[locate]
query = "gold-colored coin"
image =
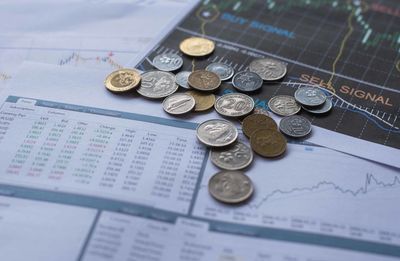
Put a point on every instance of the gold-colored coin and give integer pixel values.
(202, 80)
(122, 80)
(268, 143)
(204, 101)
(197, 46)
(255, 122)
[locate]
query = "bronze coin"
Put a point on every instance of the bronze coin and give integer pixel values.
(204, 101)
(255, 122)
(202, 80)
(268, 143)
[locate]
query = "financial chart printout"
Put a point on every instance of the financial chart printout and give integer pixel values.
(85, 34)
(351, 49)
(62, 147)
(102, 154)
(316, 191)
(136, 238)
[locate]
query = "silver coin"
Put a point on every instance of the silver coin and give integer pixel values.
(234, 105)
(295, 126)
(238, 156)
(217, 133)
(324, 108)
(182, 79)
(246, 81)
(157, 84)
(268, 69)
(230, 187)
(284, 105)
(310, 96)
(224, 71)
(178, 103)
(167, 62)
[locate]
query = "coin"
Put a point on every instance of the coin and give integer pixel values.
(224, 71)
(310, 96)
(255, 122)
(246, 81)
(268, 143)
(197, 46)
(217, 133)
(182, 79)
(204, 80)
(167, 62)
(295, 126)
(230, 187)
(178, 103)
(283, 105)
(268, 69)
(234, 105)
(157, 84)
(204, 101)
(235, 157)
(324, 108)
(122, 80)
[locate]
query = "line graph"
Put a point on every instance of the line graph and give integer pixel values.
(370, 181)
(341, 46)
(77, 58)
(314, 190)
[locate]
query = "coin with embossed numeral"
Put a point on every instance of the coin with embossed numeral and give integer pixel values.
(295, 126)
(167, 62)
(178, 103)
(204, 80)
(283, 105)
(157, 84)
(217, 133)
(234, 105)
(268, 69)
(310, 96)
(235, 157)
(230, 187)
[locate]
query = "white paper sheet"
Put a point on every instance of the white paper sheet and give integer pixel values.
(140, 239)
(313, 196)
(33, 230)
(88, 34)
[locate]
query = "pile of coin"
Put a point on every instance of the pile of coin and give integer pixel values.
(266, 139)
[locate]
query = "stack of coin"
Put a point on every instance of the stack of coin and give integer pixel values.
(265, 139)
(313, 100)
